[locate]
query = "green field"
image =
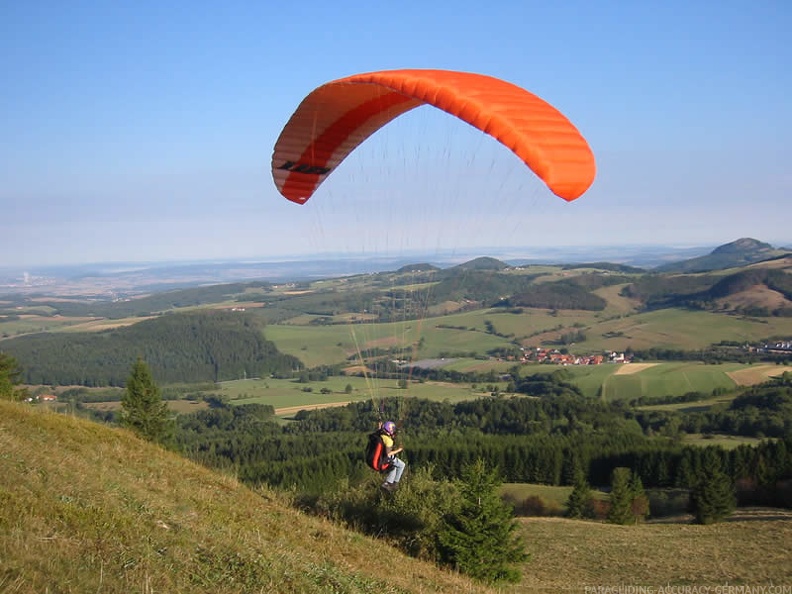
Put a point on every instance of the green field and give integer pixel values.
(679, 329)
(670, 379)
(728, 442)
(553, 497)
(661, 379)
(467, 332)
(32, 323)
(289, 393)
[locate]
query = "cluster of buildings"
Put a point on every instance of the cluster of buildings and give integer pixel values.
(778, 346)
(556, 357)
(42, 398)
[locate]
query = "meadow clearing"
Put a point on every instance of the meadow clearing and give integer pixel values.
(617, 381)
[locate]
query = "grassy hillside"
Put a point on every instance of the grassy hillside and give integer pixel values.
(86, 508)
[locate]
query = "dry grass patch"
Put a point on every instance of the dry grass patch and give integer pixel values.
(239, 305)
(568, 555)
(756, 296)
(290, 410)
(630, 368)
(757, 374)
(99, 324)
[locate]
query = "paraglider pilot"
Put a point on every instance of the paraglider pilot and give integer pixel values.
(393, 477)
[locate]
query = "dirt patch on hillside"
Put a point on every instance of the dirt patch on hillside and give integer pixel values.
(785, 262)
(105, 324)
(757, 374)
(240, 305)
(630, 368)
(290, 410)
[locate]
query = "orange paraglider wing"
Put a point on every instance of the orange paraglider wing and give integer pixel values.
(336, 117)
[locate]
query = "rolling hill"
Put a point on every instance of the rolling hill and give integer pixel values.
(473, 308)
(741, 252)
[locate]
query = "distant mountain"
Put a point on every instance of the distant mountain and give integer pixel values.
(483, 263)
(742, 252)
(422, 267)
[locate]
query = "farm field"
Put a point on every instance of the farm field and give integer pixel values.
(681, 329)
(328, 345)
(177, 406)
(34, 322)
(290, 394)
(728, 442)
(668, 379)
(467, 332)
(661, 379)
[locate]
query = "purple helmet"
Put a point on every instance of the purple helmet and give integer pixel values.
(389, 427)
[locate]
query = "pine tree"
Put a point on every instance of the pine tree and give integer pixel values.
(640, 502)
(712, 497)
(620, 497)
(579, 504)
(142, 407)
(479, 539)
(628, 501)
(10, 377)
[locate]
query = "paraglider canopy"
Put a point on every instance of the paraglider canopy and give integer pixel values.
(338, 116)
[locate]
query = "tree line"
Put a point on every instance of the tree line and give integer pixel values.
(548, 440)
(180, 348)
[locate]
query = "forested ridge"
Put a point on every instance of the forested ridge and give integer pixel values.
(699, 291)
(180, 348)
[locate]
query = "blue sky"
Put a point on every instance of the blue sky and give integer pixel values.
(142, 131)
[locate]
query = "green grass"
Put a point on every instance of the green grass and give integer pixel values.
(554, 495)
(670, 379)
